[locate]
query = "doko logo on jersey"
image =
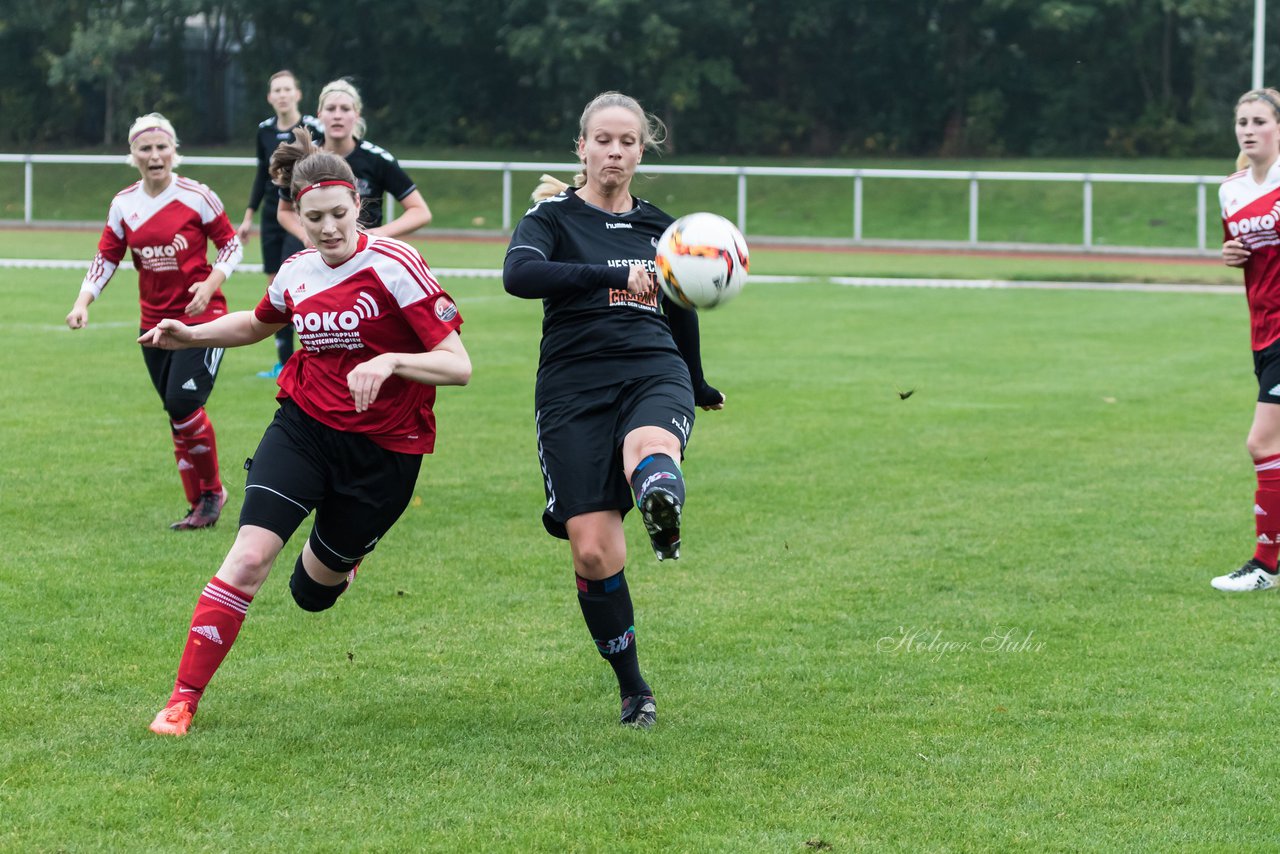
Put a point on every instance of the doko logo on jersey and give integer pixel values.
(335, 330)
(158, 259)
(1249, 225)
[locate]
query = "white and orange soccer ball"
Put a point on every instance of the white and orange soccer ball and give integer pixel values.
(702, 261)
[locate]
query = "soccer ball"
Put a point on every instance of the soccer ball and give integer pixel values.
(702, 261)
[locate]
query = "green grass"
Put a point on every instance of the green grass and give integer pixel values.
(1060, 474)
(1026, 212)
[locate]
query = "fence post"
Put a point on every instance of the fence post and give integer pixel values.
(973, 211)
(506, 196)
(742, 200)
(1200, 215)
(28, 179)
(1088, 213)
(857, 206)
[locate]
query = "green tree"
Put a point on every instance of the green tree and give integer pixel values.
(108, 54)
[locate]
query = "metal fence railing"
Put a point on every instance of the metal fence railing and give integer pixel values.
(856, 177)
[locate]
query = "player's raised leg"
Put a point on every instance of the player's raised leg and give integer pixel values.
(658, 486)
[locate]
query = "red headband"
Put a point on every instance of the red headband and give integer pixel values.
(149, 130)
(318, 184)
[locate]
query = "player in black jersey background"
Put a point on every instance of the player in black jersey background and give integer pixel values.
(619, 374)
(284, 95)
(376, 170)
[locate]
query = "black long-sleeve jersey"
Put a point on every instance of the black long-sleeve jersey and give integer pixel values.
(264, 194)
(576, 258)
(377, 172)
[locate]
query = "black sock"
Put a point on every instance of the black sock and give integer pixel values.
(606, 606)
(657, 471)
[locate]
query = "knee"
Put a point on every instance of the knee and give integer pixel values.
(597, 557)
(665, 444)
(180, 409)
(247, 564)
(591, 561)
(1260, 445)
(310, 594)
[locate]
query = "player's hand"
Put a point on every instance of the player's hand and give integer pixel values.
(78, 318)
(1234, 253)
(709, 398)
(201, 293)
(168, 334)
(638, 280)
(366, 379)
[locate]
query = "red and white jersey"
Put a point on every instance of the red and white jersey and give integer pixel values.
(167, 235)
(383, 299)
(1251, 214)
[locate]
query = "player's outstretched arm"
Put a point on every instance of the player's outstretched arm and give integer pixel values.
(230, 330)
(685, 332)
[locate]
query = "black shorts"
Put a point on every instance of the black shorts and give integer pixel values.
(356, 488)
(580, 442)
(1266, 367)
(183, 378)
(277, 245)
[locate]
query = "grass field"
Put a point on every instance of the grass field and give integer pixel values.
(1020, 212)
(974, 618)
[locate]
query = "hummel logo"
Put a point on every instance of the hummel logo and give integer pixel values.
(210, 632)
(189, 385)
(683, 426)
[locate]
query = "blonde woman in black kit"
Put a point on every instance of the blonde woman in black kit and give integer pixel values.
(618, 378)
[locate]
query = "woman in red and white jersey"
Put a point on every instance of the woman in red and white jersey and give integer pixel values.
(166, 222)
(1250, 202)
(378, 334)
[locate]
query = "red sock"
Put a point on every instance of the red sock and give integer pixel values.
(196, 433)
(1266, 510)
(186, 471)
(219, 614)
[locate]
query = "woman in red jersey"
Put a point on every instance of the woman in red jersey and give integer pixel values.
(378, 334)
(1251, 218)
(166, 221)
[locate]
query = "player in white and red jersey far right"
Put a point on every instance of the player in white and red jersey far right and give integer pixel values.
(377, 335)
(166, 222)
(1250, 202)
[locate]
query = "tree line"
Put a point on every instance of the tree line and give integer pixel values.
(749, 77)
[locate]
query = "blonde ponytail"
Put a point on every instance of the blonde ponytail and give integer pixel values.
(549, 186)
